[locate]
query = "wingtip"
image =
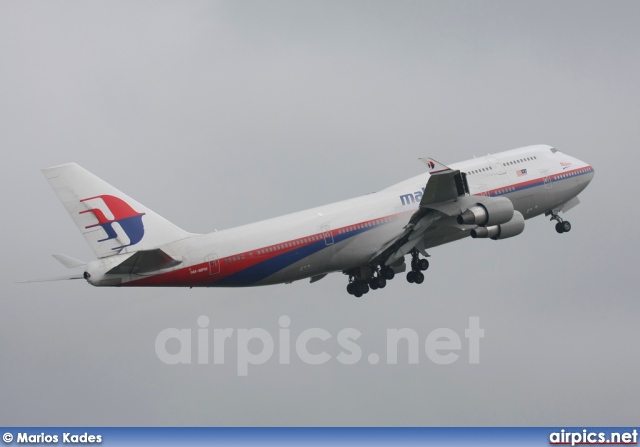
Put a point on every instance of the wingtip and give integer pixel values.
(434, 166)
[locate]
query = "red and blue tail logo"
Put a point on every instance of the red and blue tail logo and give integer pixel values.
(129, 219)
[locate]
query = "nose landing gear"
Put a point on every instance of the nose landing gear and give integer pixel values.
(562, 226)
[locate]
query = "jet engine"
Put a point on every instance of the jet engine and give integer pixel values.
(503, 231)
(491, 211)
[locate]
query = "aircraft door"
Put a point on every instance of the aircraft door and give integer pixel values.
(547, 179)
(326, 253)
(547, 198)
(326, 233)
(214, 263)
(497, 166)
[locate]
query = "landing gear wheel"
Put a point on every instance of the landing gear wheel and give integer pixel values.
(418, 277)
(351, 288)
(373, 284)
(382, 283)
(423, 264)
(562, 226)
(357, 294)
(388, 273)
(411, 276)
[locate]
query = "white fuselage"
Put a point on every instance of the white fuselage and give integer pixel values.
(345, 235)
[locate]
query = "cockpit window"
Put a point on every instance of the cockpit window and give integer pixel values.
(554, 150)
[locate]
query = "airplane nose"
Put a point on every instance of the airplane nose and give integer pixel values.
(588, 174)
(587, 170)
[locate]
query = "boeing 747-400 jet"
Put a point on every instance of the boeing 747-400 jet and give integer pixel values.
(366, 238)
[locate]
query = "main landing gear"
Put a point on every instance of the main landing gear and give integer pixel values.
(417, 267)
(562, 226)
(364, 279)
(378, 280)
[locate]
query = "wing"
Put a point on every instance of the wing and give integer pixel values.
(445, 197)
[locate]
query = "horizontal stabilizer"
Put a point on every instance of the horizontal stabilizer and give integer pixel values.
(68, 261)
(54, 278)
(145, 261)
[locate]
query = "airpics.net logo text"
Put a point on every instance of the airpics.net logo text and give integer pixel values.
(257, 346)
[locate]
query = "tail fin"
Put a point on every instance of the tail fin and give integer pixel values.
(109, 220)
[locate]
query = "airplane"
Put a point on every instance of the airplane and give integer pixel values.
(367, 238)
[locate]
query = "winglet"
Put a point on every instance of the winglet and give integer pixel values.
(434, 167)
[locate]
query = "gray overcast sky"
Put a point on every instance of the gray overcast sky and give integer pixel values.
(216, 114)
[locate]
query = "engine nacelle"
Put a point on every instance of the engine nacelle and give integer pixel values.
(503, 231)
(492, 211)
